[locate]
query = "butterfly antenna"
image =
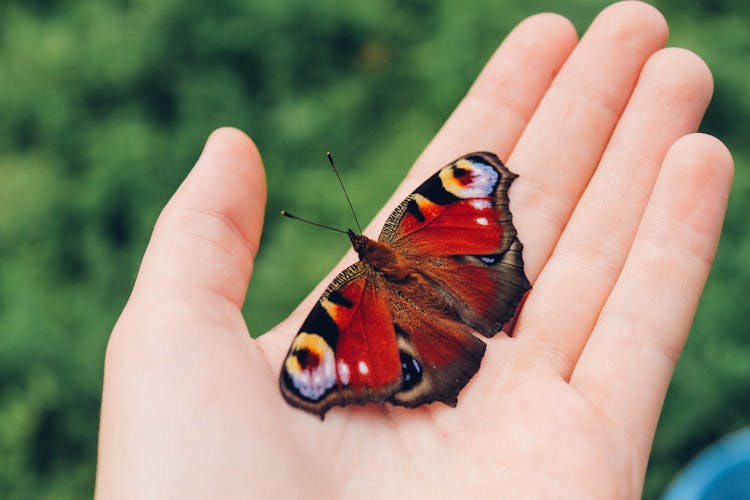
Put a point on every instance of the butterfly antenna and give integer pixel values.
(292, 216)
(333, 166)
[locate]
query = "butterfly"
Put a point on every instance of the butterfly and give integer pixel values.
(401, 325)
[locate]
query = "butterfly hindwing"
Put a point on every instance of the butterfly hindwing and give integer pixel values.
(482, 291)
(438, 355)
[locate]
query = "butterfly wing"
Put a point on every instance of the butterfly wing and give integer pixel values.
(456, 229)
(365, 342)
(438, 355)
(346, 350)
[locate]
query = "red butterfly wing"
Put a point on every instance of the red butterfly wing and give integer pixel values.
(462, 209)
(365, 342)
(346, 351)
(456, 229)
(438, 355)
(482, 291)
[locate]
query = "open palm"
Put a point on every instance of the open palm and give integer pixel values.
(619, 206)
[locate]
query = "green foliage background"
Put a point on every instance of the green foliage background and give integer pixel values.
(104, 107)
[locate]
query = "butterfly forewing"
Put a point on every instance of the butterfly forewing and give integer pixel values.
(346, 350)
(461, 209)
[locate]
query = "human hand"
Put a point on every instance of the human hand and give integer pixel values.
(619, 207)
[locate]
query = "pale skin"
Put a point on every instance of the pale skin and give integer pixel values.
(619, 205)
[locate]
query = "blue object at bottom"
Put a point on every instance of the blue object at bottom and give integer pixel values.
(720, 472)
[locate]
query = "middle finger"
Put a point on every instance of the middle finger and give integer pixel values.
(669, 101)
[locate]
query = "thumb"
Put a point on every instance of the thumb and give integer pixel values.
(207, 236)
(178, 370)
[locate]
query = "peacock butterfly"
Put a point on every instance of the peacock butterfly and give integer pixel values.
(400, 325)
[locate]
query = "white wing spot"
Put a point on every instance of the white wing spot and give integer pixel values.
(480, 204)
(344, 372)
(483, 221)
(363, 368)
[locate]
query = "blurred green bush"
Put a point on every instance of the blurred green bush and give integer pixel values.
(104, 107)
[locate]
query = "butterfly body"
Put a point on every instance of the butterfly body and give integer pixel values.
(381, 257)
(401, 325)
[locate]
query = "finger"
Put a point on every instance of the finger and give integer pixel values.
(505, 94)
(626, 365)
(208, 234)
(491, 116)
(180, 350)
(501, 101)
(561, 147)
(669, 101)
(183, 319)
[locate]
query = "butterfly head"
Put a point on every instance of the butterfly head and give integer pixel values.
(359, 241)
(368, 250)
